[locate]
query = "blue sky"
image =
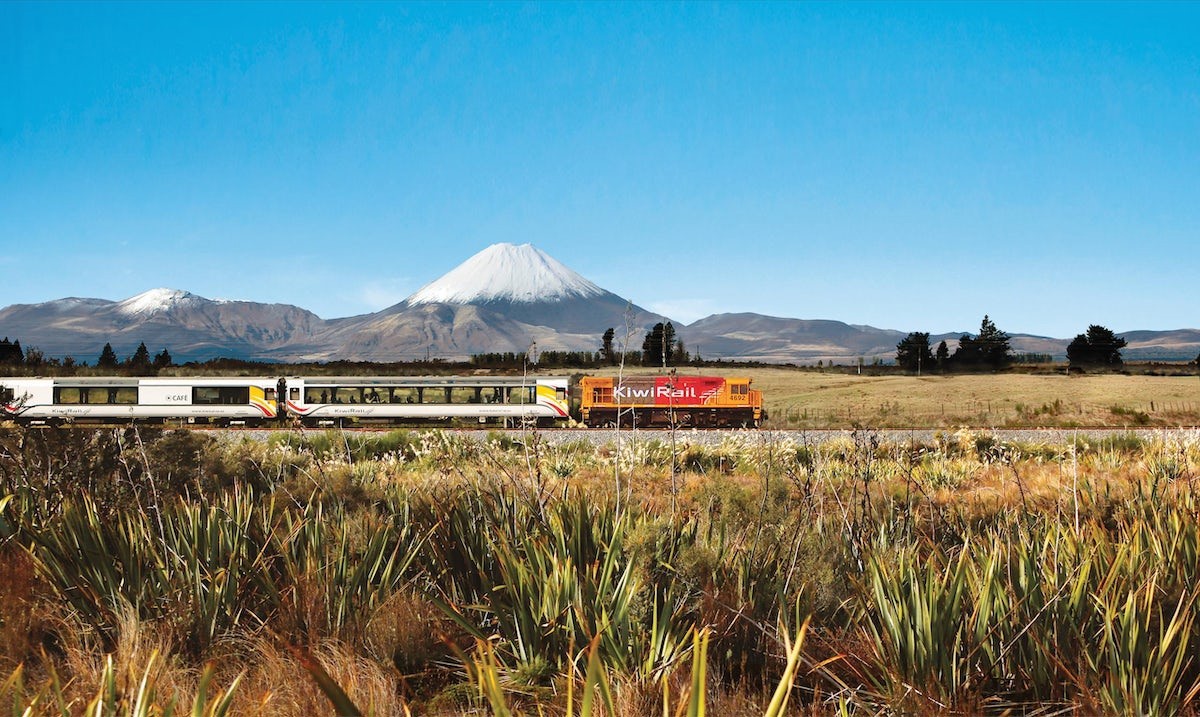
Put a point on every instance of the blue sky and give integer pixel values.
(907, 166)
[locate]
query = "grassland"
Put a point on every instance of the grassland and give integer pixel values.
(425, 573)
(809, 398)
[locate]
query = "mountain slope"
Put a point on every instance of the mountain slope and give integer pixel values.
(773, 339)
(191, 327)
(505, 298)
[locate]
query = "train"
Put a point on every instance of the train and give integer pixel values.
(340, 401)
(663, 401)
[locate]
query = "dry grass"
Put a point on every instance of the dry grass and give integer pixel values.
(808, 398)
(713, 537)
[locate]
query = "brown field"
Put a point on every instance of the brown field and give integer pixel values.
(808, 398)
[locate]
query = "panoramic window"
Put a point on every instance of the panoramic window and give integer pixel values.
(344, 394)
(403, 395)
(522, 394)
(69, 395)
(433, 394)
(220, 395)
(464, 394)
(125, 395)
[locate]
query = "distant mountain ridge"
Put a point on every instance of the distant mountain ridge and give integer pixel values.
(504, 298)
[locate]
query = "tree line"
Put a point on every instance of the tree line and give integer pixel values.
(990, 349)
(139, 363)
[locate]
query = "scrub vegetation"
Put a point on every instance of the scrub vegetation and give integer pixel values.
(425, 573)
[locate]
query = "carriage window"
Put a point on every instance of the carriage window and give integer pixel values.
(293, 394)
(6, 394)
(69, 394)
(560, 393)
(215, 395)
(312, 394)
(96, 395)
(522, 394)
(398, 394)
(345, 394)
(435, 394)
(126, 395)
(463, 394)
(269, 394)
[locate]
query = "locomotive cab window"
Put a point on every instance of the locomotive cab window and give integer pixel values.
(220, 395)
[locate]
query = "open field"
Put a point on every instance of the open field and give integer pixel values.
(432, 574)
(834, 399)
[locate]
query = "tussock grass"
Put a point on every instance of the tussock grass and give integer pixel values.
(431, 574)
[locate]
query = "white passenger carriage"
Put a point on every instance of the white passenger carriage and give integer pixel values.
(55, 401)
(397, 399)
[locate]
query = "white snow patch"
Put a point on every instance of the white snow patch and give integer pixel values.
(507, 272)
(155, 301)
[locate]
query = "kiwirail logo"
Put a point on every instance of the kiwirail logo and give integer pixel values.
(624, 391)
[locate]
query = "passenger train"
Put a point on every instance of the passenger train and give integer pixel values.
(699, 401)
(317, 401)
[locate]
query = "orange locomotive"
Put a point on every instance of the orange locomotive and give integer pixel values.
(700, 401)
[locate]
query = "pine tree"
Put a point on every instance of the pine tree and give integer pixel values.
(108, 357)
(606, 348)
(1098, 347)
(913, 353)
(989, 349)
(658, 347)
(11, 353)
(162, 360)
(139, 363)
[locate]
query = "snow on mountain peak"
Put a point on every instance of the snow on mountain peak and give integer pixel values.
(506, 272)
(155, 301)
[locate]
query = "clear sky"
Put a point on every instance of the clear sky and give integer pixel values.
(907, 166)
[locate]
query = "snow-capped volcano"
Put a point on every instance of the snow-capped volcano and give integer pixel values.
(504, 298)
(507, 272)
(157, 301)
